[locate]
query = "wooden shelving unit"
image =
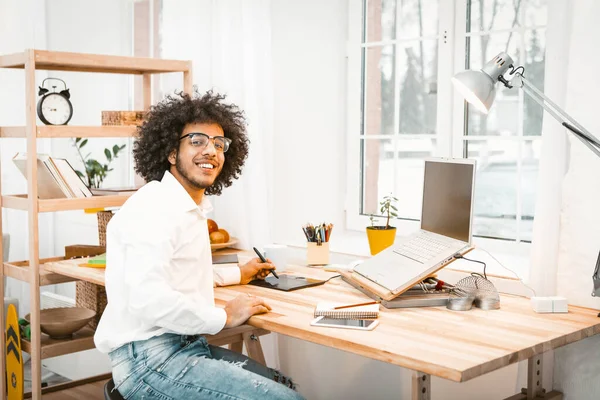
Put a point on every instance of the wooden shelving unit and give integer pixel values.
(21, 202)
(69, 131)
(38, 272)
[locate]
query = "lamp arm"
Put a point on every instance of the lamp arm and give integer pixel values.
(560, 115)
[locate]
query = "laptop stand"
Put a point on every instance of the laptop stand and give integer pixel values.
(410, 298)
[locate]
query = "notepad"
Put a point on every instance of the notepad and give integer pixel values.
(325, 309)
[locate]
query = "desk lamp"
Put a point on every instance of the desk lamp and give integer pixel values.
(479, 89)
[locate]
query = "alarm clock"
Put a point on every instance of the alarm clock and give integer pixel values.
(54, 108)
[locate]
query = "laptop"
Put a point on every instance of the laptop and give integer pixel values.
(446, 223)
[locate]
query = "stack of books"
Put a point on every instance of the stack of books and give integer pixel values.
(56, 177)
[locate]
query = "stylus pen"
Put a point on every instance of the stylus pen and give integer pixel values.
(262, 258)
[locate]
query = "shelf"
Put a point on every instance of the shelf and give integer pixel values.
(71, 268)
(69, 131)
(82, 62)
(81, 340)
(20, 270)
(20, 202)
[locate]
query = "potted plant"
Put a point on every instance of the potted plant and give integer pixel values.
(382, 236)
(95, 172)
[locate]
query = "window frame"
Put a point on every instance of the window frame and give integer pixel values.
(450, 113)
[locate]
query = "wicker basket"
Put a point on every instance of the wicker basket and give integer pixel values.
(90, 295)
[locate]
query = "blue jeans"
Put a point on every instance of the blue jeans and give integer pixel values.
(186, 367)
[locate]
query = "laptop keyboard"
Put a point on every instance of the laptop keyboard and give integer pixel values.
(422, 248)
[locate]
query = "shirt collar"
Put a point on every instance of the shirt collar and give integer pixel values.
(181, 198)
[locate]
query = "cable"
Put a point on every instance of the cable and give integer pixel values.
(514, 273)
(458, 256)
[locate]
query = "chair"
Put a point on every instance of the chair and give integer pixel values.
(109, 394)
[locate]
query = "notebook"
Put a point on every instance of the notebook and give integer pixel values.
(98, 261)
(326, 309)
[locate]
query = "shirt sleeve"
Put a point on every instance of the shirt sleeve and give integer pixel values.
(151, 297)
(225, 276)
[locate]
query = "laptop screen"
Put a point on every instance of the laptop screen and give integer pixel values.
(447, 198)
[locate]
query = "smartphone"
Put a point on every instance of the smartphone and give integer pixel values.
(360, 324)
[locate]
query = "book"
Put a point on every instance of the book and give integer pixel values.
(48, 186)
(71, 178)
(56, 177)
(326, 309)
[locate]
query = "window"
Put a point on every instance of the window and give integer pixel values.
(506, 142)
(403, 54)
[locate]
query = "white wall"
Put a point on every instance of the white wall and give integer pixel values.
(22, 25)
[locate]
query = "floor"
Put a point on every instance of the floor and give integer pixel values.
(89, 391)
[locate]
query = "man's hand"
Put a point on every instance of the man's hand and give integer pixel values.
(255, 269)
(243, 307)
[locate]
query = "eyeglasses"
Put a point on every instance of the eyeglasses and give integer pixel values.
(197, 139)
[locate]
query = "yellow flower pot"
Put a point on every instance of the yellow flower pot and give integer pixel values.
(380, 238)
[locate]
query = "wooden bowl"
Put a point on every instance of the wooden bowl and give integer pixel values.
(61, 323)
(219, 246)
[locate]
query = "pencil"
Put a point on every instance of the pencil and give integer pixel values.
(356, 305)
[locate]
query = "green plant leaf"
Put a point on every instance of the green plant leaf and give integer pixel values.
(107, 154)
(80, 174)
(83, 143)
(77, 140)
(394, 208)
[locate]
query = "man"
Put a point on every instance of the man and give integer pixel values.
(159, 274)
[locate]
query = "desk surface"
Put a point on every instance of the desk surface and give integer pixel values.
(456, 345)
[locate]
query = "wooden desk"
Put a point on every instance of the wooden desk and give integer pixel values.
(455, 345)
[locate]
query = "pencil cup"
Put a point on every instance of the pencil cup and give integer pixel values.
(317, 254)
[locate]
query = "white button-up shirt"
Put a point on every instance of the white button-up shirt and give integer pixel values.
(159, 272)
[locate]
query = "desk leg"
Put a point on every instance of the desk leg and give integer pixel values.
(535, 390)
(254, 348)
(238, 347)
(421, 386)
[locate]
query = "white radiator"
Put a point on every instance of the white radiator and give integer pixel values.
(53, 300)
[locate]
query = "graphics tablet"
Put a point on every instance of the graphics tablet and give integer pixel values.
(286, 283)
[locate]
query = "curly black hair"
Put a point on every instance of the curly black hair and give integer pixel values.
(164, 124)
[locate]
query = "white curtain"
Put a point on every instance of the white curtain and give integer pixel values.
(567, 222)
(577, 368)
(241, 67)
(553, 160)
(229, 43)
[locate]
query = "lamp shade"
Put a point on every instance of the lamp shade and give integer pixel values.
(479, 87)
